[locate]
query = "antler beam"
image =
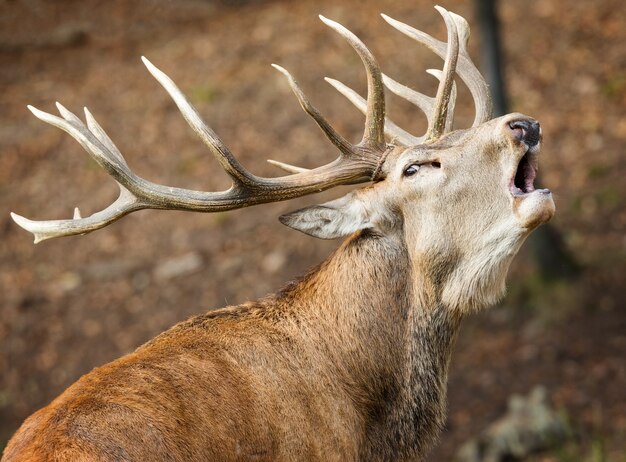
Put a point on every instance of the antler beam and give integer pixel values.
(355, 164)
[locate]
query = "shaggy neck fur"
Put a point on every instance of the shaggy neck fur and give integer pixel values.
(389, 338)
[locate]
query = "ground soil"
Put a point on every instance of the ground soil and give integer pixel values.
(71, 304)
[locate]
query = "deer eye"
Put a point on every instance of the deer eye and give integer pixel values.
(411, 170)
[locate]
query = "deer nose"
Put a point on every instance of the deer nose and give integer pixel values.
(527, 131)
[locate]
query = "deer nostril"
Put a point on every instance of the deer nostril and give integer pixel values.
(526, 131)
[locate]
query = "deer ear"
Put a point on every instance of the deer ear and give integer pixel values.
(331, 220)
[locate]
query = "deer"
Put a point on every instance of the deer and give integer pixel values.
(350, 361)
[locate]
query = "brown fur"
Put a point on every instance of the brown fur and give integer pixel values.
(247, 382)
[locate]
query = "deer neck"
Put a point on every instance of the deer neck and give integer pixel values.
(380, 320)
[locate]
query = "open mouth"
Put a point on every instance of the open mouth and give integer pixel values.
(523, 182)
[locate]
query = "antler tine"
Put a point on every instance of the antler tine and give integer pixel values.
(346, 148)
(48, 229)
(288, 167)
(440, 111)
(392, 130)
(451, 103)
(373, 135)
(475, 81)
(465, 67)
(112, 162)
(223, 155)
(105, 153)
(217, 146)
(111, 152)
(99, 133)
(422, 101)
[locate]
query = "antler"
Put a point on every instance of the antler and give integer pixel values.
(355, 164)
(439, 110)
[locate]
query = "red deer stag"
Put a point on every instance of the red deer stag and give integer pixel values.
(349, 362)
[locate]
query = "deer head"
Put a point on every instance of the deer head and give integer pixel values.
(465, 197)
(462, 203)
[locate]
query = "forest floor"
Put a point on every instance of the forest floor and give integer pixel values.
(69, 305)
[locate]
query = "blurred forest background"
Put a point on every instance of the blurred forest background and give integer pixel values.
(71, 304)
